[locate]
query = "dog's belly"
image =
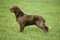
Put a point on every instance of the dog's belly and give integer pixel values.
(29, 23)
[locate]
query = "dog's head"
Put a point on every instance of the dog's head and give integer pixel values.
(15, 9)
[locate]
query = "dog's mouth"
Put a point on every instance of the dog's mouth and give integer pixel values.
(11, 10)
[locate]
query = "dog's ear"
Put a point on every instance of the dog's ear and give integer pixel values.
(17, 11)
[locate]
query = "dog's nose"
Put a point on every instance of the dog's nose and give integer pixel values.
(11, 10)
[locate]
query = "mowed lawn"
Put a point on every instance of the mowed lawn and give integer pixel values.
(49, 9)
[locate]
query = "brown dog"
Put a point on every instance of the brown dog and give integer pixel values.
(25, 20)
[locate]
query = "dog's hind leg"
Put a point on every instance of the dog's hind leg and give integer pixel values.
(41, 25)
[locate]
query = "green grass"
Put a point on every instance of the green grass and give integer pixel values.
(49, 9)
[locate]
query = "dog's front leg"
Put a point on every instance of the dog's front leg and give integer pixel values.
(22, 27)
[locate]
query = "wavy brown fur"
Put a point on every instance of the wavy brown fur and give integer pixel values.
(25, 20)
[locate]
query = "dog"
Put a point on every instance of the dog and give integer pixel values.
(25, 20)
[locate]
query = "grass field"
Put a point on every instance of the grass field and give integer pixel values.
(49, 9)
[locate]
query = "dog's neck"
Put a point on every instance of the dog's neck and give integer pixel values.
(19, 13)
